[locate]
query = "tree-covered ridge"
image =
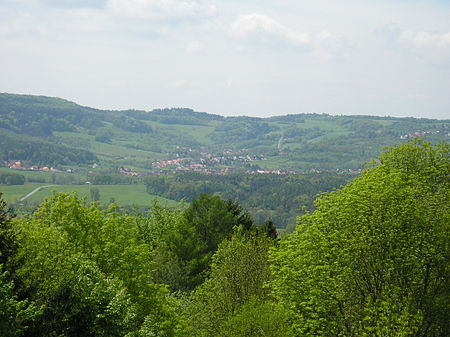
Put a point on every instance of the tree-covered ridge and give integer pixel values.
(140, 138)
(36, 151)
(40, 115)
(265, 196)
(174, 116)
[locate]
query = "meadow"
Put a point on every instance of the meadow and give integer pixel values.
(124, 195)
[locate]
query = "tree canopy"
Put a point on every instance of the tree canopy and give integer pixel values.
(373, 259)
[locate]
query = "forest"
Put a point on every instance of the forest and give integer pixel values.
(279, 197)
(371, 259)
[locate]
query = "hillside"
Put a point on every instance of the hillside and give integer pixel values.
(42, 130)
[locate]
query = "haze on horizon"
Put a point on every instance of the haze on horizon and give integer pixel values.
(257, 58)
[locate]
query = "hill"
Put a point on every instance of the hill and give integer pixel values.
(42, 130)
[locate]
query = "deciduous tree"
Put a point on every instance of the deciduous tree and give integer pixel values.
(373, 259)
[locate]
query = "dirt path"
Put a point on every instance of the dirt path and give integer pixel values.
(280, 143)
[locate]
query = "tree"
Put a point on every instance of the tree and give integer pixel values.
(15, 315)
(373, 259)
(257, 318)
(212, 219)
(7, 244)
(91, 270)
(207, 221)
(269, 229)
(239, 270)
(95, 193)
(12, 179)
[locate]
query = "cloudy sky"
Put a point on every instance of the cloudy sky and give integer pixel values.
(232, 57)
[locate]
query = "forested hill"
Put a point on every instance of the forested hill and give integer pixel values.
(182, 139)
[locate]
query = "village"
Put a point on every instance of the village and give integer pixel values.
(17, 165)
(207, 164)
(415, 134)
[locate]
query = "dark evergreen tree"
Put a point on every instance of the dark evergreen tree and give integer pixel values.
(269, 229)
(208, 221)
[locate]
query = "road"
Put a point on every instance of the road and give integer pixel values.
(34, 191)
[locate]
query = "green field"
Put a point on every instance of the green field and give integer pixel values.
(12, 193)
(124, 195)
(41, 175)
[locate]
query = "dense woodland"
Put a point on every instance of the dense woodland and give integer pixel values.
(371, 260)
(280, 197)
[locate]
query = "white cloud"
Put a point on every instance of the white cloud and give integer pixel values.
(178, 83)
(52, 23)
(19, 24)
(119, 83)
(90, 20)
(161, 9)
(141, 19)
(420, 40)
(327, 46)
(425, 39)
(263, 28)
(194, 47)
(63, 3)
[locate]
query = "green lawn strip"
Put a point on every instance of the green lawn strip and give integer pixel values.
(44, 177)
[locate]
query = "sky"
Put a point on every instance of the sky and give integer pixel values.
(232, 57)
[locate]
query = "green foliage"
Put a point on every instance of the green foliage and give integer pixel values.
(132, 125)
(182, 257)
(372, 260)
(209, 220)
(15, 315)
(239, 270)
(89, 304)
(213, 219)
(257, 318)
(91, 270)
(40, 116)
(95, 193)
(269, 229)
(103, 135)
(40, 152)
(109, 178)
(174, 116)
(12, 179)
(239, 129)
(265, 196)
(7, 240)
